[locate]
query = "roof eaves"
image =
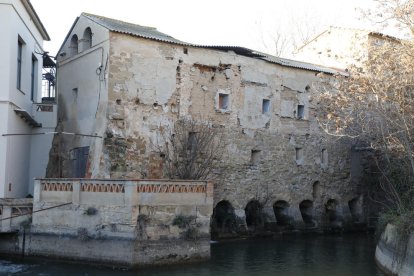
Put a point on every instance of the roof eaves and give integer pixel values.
(33, 15)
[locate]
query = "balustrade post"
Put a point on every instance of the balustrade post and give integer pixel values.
(209, 192)
(76, 190)
(131, 194)
(37, 191)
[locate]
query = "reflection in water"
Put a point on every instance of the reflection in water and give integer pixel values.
(287, 255)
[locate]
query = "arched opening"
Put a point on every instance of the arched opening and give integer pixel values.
(281, 209)
(87, 39)
(224, 217)
(73, 47)
(254, 215)
(306, 210)
(316, 190)
(330, 209)
(355, 208)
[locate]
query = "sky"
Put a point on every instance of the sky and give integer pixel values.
(209, 22)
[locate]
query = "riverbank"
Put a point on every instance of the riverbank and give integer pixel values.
(395, 255)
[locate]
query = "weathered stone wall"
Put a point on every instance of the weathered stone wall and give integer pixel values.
(15, 213)
(265, 109)
(152, 84)
(141, 221)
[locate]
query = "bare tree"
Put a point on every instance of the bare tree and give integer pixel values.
(191, 150)
(375, 107)
(289, 32)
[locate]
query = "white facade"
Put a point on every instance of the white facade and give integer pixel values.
(23, 156)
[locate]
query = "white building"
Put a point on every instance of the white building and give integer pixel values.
(25, 111)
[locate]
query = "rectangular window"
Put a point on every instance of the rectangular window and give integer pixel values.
(324, 157)
(192, 140)
(33, 76)
(255, 157)
(223, 103)
(19, 63)
(75, 94)
(301, 111)
(299, 155)
(265, 106)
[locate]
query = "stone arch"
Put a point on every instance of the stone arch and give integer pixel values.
(73, 47)
(316, 190)
(254, 214)
(356, 210)
(281, 209)
(224, 217)
(87, 39)
(331, 211)
(306, 210)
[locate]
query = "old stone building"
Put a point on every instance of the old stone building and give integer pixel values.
(120, 84)
(341, 48)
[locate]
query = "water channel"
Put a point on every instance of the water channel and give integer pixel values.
(290, 255)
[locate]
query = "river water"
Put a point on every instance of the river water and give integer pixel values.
(309, 255)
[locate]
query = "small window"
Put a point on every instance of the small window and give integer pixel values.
(73, 45)
(33, 82)
(255, 157)
(299, 155)
(265, 106)
(19, 63)
(324, 157)
(301, 112)
(223, 103)
(75, 94)
(192, 140)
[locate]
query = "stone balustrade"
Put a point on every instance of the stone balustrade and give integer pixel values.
(142, 221)
(14, 212)
(123, 192)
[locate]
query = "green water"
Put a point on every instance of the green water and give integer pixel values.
(288, 255)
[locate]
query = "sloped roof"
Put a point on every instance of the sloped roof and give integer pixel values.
(33, 15)
(152, 33)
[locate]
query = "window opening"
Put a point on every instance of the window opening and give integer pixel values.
(33, 83)
(301, 111)
(324, 157)
(265, 106)
(19, 63)
(255, 157)
(223, 101)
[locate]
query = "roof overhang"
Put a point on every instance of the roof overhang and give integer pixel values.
(36, 20)
(27, 118)
(48, 62)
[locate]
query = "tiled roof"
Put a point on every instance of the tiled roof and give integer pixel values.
(152, 33)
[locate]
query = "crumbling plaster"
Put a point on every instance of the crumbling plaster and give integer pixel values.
(151, 84)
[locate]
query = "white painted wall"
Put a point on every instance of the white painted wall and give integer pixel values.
(84, 111)
(15, 151)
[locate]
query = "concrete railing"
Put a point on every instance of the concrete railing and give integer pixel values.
(122, 192)
(14, 212)
(141, 221)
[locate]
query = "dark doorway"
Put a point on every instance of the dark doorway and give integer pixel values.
(79, 161)
(224, 216)
(254, 215)
(306, 210)
(281, 209)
